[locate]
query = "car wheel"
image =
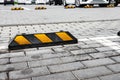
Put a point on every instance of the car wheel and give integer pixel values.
(77, 3)
(103, 5)
(116, 3)
(118, 33)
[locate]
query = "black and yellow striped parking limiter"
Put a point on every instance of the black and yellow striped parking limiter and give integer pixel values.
(41, 40)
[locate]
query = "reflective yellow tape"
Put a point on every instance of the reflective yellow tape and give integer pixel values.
(21, 40)
(64, 36)
(43, 38)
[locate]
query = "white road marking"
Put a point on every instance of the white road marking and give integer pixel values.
(97, 38)
(26, 8)
(112, 45)
(105, 41)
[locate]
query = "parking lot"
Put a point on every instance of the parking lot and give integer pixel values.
(96, 56)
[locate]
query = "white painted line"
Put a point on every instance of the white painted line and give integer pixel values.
(26, 8)
(105, 42)
(112, 45)
(98, 38)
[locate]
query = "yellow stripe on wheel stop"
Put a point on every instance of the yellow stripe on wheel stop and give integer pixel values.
(21, 40)
(43, 38)
(64, 36)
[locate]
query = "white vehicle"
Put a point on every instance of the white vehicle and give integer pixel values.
(101, 3)
(41, 1)
(1, 1)
(28, 1)
(21, 1)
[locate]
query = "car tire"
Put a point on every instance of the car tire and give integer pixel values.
(116, 3)
(103, 5)
(118, 33)
(77, 3)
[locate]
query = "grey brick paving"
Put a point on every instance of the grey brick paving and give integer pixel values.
(28, 73)
(98, 62)
(62, 58)
(111, 77)
(56, 55)
(114, 67)
(23, 59)
(42, 51)
(82, 57)
(104, 54)
(65, 67)
(45, 62)
(4, 61)
(68, 59)
(7, 55)
(91, 46)
(83, 51)
(71, 48)
(59, 50)
(24, 79)
(104, 49)
(93, 79)
(3, 76)
(11, 67)
(91, 72)
(58, 76)
(116, 58)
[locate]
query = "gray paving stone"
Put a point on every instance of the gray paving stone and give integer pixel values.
(117, 58)
(68, 59)
(98, 62)
(104, 54)
(104, 49)
(70, 48)
(45, 56)
(7, 55)
(82, 57)
(12, 67)
(111, 77)
(44, 62)
(26, 58)
(91, 46)
(25, 79)
(65, 67)
(3, 76)
(58, 76)
(93, 79)
(76, 52)
(114, 67)
(4, 61)
(42, 51)
(90, 42)
(83, 51)
(90, 50)
(26, 73)
(59, 49)
(91, 72)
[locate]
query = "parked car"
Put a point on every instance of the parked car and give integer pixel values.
(117, 2)
(8, 2)
(28, 1)
(40, 1)
(21, 1)
(1, 1)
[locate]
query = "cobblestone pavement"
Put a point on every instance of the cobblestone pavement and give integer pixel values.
(95, 57)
